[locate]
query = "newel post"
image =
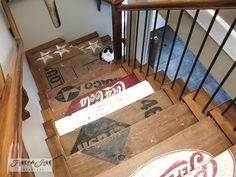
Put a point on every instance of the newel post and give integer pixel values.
(117, 29)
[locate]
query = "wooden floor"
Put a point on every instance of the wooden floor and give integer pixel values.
(70, 77)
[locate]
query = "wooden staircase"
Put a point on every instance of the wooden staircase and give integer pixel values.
(129, 138)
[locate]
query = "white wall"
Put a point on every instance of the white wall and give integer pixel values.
(7, 44)
(78, 17)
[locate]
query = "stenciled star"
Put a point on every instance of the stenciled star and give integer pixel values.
(60, 47)
(81, 48)
(93, 46)
(44, 57)
(61, 50)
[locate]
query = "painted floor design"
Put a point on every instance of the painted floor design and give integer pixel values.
(210, 84)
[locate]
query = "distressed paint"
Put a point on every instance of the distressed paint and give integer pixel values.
(173, 164)
(102, 93)
(103, 108)
(221, 166)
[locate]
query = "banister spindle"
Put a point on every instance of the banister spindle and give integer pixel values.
(162, 43)
(136, 40)
(130, 32)
(220, 85)
(124, 36)
(185, 47)
(173, 45)
(152, 42)
(215, 58)
(200, 51)
(144, 37)
(229, 106)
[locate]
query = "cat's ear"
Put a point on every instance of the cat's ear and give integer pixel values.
(52, 9)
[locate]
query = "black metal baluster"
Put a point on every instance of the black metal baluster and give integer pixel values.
(130, 32)
(144, 35)
(152, 41)
(185, 48)
(229, 106)
(220, 85)
(136, 40)
(215, 58)
(173, 45)
(199, 52)
(162, 43)
(124, 38)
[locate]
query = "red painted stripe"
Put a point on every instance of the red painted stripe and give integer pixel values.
(101, 93)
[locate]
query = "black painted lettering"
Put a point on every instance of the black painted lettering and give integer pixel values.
(152, 111)
(148, 103)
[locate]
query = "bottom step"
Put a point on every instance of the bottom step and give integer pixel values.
(204, 135)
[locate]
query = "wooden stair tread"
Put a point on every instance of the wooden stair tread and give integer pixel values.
(204, 135)
(137, 138)
(197, 105)
(124, 118)
(59, 107)
(156, 83)
(226, 121)
(176, 91)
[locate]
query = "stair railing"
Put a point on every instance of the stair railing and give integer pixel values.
(11, 109)
(122, 9)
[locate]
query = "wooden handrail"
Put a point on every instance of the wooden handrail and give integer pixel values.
(11, 105)
(118, 6)
(176, 4)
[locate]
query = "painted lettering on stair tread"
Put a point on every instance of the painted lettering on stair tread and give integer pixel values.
(173, 164)
(103, 108)
(95, 132)
(221, 166)
(102, 93)
(54, 77)
(69, 93)
(151, 106)
(110, 150)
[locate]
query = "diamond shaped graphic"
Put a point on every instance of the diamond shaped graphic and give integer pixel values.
(97, 131)
(110, 150)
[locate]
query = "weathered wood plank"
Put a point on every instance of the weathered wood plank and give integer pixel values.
(104, 92)
(204, 135)
(103, 108)
(143, 108)
(88, 72)
(64, 97)
(131, 141)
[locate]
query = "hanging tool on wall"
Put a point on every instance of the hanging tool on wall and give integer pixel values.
(52, 9)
